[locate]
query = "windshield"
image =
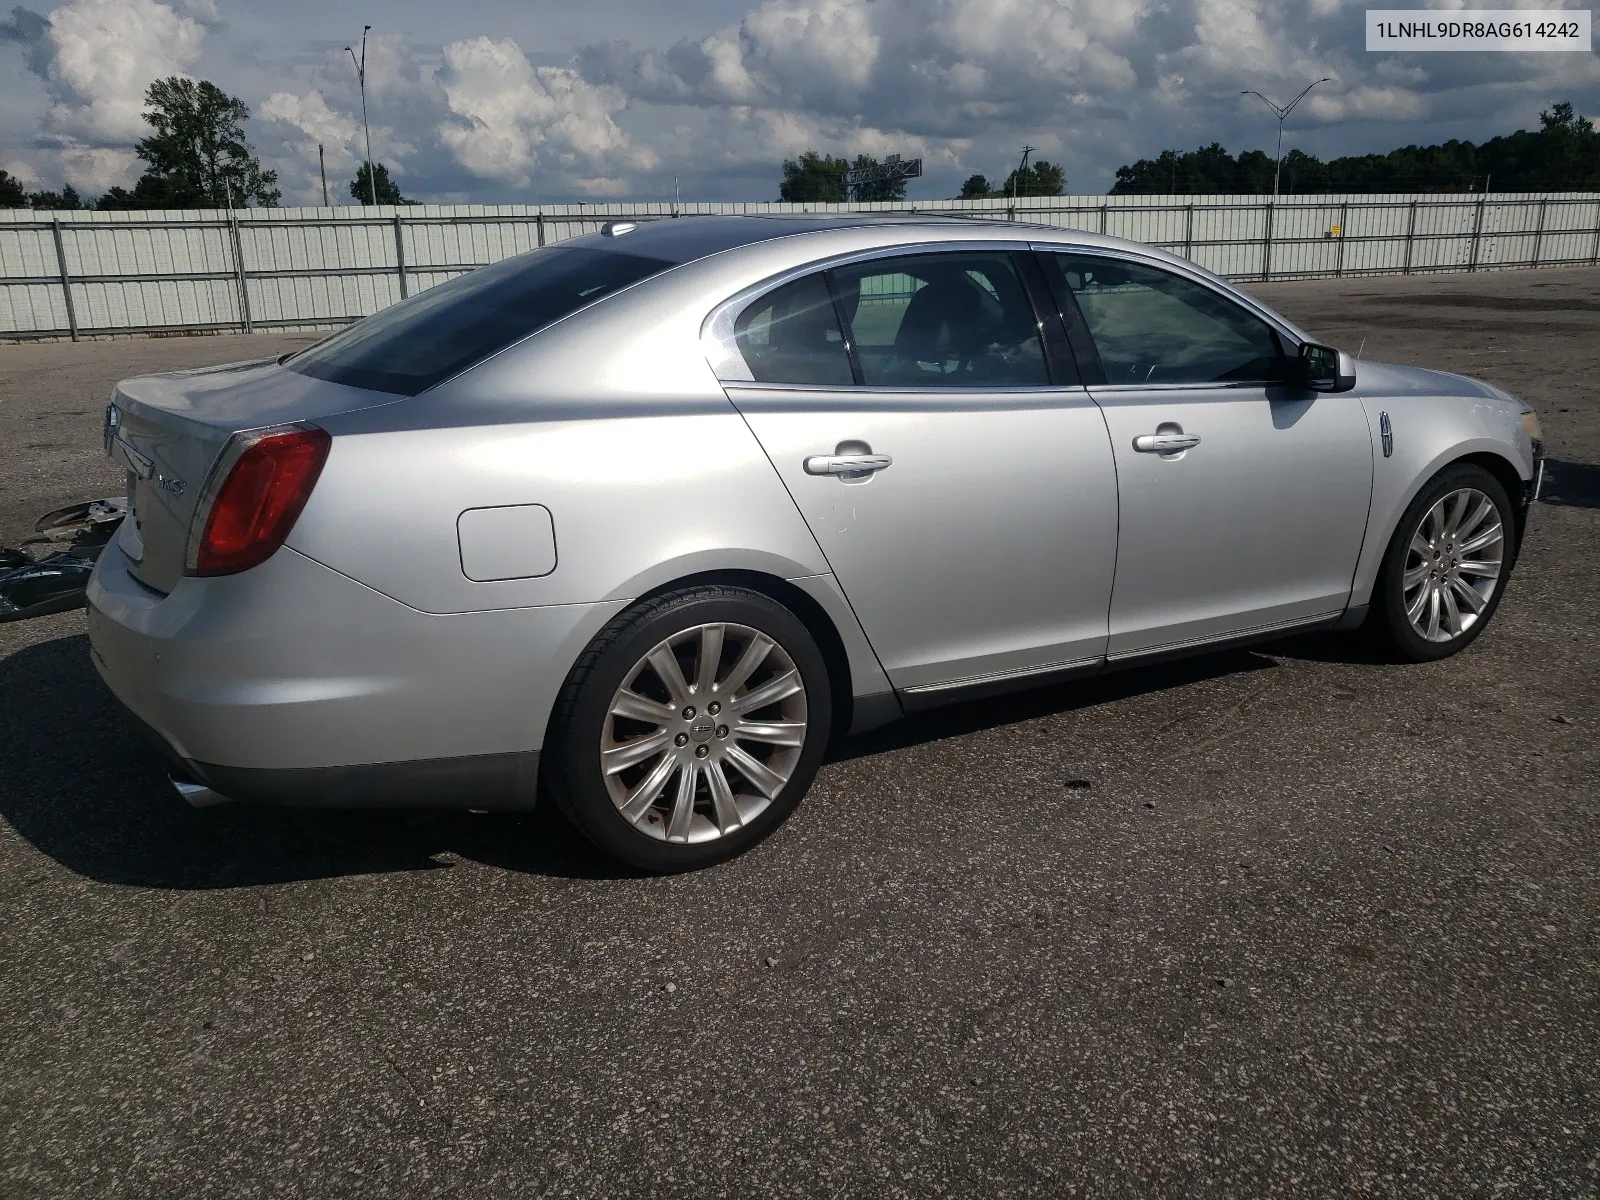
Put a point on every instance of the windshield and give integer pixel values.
(410, 346)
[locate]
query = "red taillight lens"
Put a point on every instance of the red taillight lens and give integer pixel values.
(259, 501)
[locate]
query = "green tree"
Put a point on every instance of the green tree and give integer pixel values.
(388, 190)
(12, 193)
(1563, 154)
(197, 155)
(813, 179)
(1209, 170)
(1041, 179)
(117, 197)
(975, 188)
(66, 198)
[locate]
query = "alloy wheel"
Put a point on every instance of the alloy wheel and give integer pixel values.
(704, 732)
(1453, 565)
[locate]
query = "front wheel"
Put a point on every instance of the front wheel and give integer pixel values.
(1447, 565)
(690, 729)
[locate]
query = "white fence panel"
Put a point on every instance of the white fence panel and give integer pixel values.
(77, 273)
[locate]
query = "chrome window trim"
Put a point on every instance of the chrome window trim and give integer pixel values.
(716, 331)
(1210, 386)
(1292, 339)
(884, 389)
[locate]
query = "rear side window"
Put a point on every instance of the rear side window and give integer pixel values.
(419, 342)
(952, 320)
(1150, 326)
(791, 335)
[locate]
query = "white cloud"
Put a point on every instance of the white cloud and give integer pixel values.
(106, 53)
(963, 83)
(1392, 103)
(1098, 82)
(334, 133)
(311, 115)
(509, 119)
(479, 110)
(23, 172)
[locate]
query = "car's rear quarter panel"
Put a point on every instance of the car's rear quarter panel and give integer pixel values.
(293, 665)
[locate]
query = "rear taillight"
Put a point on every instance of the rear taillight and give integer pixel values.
(257, 490)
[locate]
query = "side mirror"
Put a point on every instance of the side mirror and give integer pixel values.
(1324, 369)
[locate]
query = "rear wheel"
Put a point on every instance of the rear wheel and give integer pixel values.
(690, 729)
(1447, 565)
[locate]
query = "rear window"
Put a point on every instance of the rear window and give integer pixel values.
(415, 344)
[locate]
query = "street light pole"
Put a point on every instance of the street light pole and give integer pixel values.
(1281, 113)
(361, 78)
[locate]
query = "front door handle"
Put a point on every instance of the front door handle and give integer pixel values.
(1165, 443)
(846, 464)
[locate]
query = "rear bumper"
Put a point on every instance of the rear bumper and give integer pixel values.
(293, 684)
(488, 781)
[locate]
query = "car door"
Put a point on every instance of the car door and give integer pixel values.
(964, 497)
(1243, 496)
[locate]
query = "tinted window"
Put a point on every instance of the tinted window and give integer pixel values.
(791, 335)
(1151, 326)
(417, 343)
(955, 320)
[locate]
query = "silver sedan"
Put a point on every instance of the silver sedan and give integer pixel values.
(639, 521)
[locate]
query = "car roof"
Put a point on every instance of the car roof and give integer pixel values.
(685, 239)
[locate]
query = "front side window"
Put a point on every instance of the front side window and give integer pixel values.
(791, 335)
(957, 320)
(1151, 326)
(410, 346)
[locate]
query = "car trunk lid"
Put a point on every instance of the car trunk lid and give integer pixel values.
(167, 431)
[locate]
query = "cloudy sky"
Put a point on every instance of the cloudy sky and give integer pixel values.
(500, 101)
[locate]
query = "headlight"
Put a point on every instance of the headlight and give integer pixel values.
(1530, 422)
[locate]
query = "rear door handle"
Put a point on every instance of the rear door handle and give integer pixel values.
(1165, 443)
(846, 464)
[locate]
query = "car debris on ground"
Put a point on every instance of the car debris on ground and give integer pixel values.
(49, 572)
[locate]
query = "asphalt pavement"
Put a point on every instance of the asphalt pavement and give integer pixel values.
(1289, 921)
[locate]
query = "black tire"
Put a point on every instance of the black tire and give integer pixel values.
(1388, 617)
(581, 721)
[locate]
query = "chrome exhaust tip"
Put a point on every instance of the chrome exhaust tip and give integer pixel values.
(198, 795)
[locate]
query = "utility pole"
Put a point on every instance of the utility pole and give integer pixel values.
(361, 78)
(1281, 113)
(1016, 180)
(322, 165)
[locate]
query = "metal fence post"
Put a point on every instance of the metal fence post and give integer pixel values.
(1538, 234)
(1477, 233)
(238, 261)
(1188, 233)
(1411, 233)
(400, 255)
(1102, 218)
(66, 280)
(1344, 232)
(1595, 256)
(1266, 245)
(538, 220)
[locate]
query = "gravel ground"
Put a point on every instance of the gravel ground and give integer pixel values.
(1289, 921)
